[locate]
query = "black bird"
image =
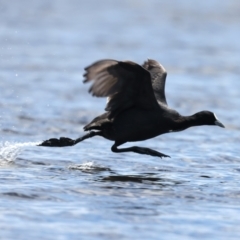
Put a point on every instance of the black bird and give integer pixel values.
(136, 107)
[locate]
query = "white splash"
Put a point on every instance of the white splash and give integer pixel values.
(10, 150)
(84, 166)
(88, 166)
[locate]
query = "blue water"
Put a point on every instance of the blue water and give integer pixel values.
(86, 191)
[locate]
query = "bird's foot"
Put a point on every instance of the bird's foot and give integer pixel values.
(157, 154)
(61, 142)
(151, 152)
(161, 155)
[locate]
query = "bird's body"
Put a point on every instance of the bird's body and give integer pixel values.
(136, 107)
(131, 126)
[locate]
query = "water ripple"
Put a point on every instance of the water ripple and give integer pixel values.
(89, 167)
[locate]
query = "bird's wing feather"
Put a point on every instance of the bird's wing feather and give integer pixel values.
(158, 77)
(126, 84)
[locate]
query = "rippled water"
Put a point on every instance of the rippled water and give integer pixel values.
(86, 191)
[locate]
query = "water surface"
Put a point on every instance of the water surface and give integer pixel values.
(87, 191)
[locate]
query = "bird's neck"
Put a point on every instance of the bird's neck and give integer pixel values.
(184, 122)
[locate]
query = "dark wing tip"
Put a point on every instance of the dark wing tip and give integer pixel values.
(150, 63)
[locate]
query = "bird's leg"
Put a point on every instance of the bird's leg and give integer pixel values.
(141, 150)
(64, 142)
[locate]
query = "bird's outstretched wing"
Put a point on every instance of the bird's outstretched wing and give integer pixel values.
(126, 84)
(158, 77)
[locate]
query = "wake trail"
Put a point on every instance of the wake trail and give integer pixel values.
(10, 150)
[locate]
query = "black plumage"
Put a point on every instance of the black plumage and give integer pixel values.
(136, 107)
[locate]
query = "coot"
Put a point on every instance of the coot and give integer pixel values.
(136, 107)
